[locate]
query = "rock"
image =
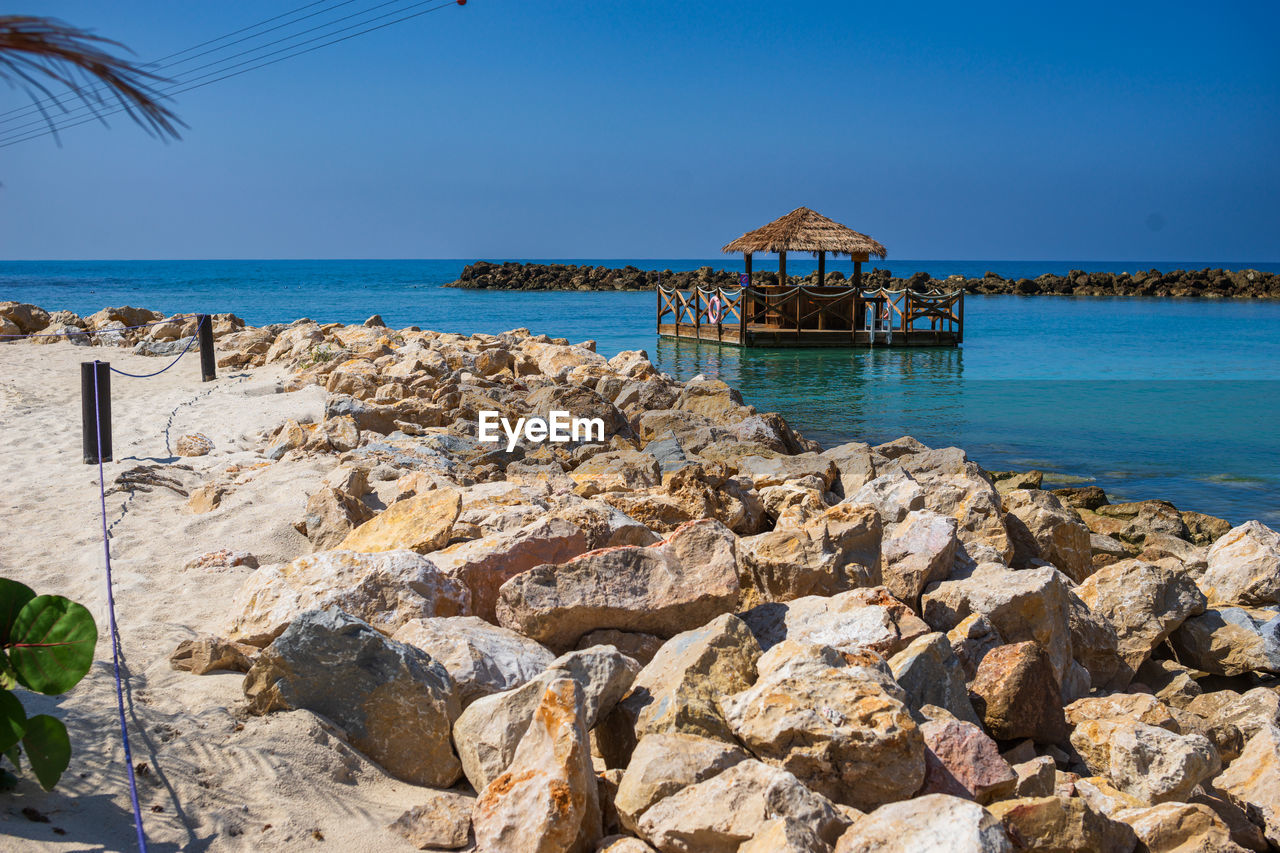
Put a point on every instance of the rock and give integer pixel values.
(918, 551)
(443, 822)
(971, 640)
(196, 444)
(776, 470)
(956, 487)
(854, 465)
(1253, 781)
(842, 735)
(1244, 567)
(604, 526)
(209, 654)
(1230, 640)
(719, 814)
(1149, 763)
(639, 647)
(485, 564)
(783, 835)
(206, 498)
(395, 704)
(482, 659)
(664, 764)
(1142, 707)
(835, 552)
(386, 590)
(679, 691)
(1041, 527)
(1095, 646)
(1081, 497)
(1035, 777)
(623, 844)
(1143, 602)
(934, 822)
(961, 760)
(331, 515)
(1249, 712)
(930, 674)
(894, 495)
(1243, 831)
(1205, 529)
(1008, 481)
(489, 730)
(1017, 696)
(421, 523)
(678, 584)
(223, 558)
(616, 471)
(1062, 824)
(1180, 828)
(1032, 604)
(851, 622)
(352, 480)
(291, 436)
(546, 802)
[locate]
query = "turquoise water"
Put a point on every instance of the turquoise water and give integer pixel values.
(1177, 399)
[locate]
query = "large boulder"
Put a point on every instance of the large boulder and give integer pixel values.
(395, 704)
(489, 730)
(843, 735)
(956, 487)
(1244, 567)
(855, 621)
(546, 801)
(421, 523)
(1017, 695)
(1057, 824)
(1180, 828)
(1143, 602)
(938, 823)
(1253, 781)
(1157, 765)
(835, 551)
(1230, 640)
(671, 587)
(616, 471)
(386, 590)
(665, 764)
(1042, 528)
(930, 674)
(719, 814)
(963, 761)
(916, 552)
(481, 658)
(776, 470)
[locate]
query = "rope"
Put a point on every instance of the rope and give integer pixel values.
(191, 340)
(115, 633)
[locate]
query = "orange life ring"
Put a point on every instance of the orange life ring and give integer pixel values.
(714, 308)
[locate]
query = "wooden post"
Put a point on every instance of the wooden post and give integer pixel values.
(748, 302)
(95, 411)
(960, 313)
(857, 273)
(208, 366)
(697, 312)
(822, 268)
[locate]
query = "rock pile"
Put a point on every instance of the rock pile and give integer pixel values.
(1217, 283)
(707, 633)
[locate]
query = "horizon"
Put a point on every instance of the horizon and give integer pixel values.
(601, 131)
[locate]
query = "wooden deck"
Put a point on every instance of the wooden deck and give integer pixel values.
(771, 316)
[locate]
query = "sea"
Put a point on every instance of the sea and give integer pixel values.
(1177, 399)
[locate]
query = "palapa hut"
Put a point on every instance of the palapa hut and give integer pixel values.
(805, 230)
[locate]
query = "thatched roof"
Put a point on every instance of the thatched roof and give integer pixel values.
(805, 230)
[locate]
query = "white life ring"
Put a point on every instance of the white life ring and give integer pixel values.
(714, 307)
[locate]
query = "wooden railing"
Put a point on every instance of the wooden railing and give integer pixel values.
(714, 307)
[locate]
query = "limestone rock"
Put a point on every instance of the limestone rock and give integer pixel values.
(603, 525)
(443, 822)
(678, 584)
(971, 640)
(1035, 778)
(1062, 824)
(855, 466)
(1143, 602)
(1253, 781)
(1156, 765)
(421, 523)
(1142, 707)
(1180, 828)
(194, 444)
(836, 551)
(842, 735)
(961, 760)
(485, 564)
(210, 654)
(930, 674)
(934, 822)
(489, 730)
(639, 647)
(1244, 567)
(394, 702)
(616, 471)
(1041, 527)
(918, 551)
(1017, 696)
(895, 495)
(481, 658)
(956, 487)
(776, 470)
(1230, 640)
(719, 814)
(330, 517)
(664, 764)
(386, 590)
(854, 621)
(546, 802)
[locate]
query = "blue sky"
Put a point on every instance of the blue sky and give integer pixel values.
(510, 129)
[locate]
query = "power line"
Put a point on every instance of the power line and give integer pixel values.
(160, 64)
(183, 87)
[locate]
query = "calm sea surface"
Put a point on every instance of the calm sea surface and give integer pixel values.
(1176, 399)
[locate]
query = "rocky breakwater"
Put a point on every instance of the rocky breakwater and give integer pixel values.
(1208, 283)
(702, 632)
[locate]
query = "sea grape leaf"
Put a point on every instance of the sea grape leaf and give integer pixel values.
(13, 597)
(48, 749)
(13, 720)
(51, 644)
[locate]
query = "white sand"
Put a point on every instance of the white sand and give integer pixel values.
(216, 780)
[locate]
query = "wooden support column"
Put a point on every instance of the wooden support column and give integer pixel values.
(822, 268)
(782, 278)
(857, 273)
(744, 303)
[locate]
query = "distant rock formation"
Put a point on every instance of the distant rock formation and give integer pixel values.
(1213, 283)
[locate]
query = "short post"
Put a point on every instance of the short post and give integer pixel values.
(95, 411)
(208, 367)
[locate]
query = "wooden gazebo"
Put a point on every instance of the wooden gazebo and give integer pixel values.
(783, 314)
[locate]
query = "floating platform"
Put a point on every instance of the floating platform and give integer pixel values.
(806, 316)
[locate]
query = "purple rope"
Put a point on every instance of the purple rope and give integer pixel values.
(87, 331)
(185, 350)
(115, 634)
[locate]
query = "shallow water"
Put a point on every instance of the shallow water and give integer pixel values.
(1177, 399)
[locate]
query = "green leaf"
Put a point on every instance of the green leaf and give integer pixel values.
(48, 749)
(13, 597)
(15, 757)
(13, 720)
(51, 644)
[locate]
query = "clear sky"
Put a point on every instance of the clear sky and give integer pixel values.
(565, 128)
